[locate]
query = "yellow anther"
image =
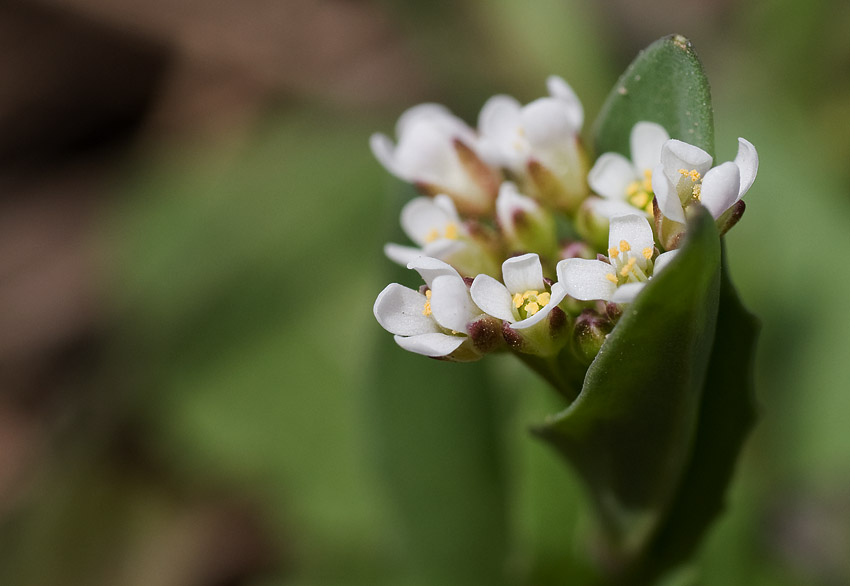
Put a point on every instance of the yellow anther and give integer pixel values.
(532, 308)
(625, 246)
(517, 299)
(633, 188)
(613, 252)
(611, 277)
(451, 231)
(427, 310)
(640, 200)
(627, 268)
(647, 252)
(697, 191)
(693, 174)
(432, 235)
(543, 299)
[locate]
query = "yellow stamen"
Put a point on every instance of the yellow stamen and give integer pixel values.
(428, 294)
(543, 299)
(532, 308)
(517, 300)
(647, 252)
(697, 191)
(427, 310)
(611, 277)
(451, 231)
(633, 188)
(647, 179)
(613, 252)
(432, 235)
(625, 246)
(693, 174)
(627, 268)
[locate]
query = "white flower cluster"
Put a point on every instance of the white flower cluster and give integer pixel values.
(516, 191)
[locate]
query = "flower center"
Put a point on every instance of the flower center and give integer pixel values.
(450, 232)
(530, 302)
(639, 192)
(426, 311)
(693, 183)
(626, 266)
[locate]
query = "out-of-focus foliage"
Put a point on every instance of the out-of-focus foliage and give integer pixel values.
(244, 354)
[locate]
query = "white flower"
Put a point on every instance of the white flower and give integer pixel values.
(435, 226)
(523, 222)
(685, 176)
(544, 132)
(629, 266)
(523, 300)
(625, 185)
(433, 323)
(434, 151)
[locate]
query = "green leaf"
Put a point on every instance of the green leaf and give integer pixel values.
(630, 431)
(664, 84)
(727, 414)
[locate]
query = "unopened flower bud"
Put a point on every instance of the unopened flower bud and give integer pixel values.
(525, 225)
(589, 333)
(485, 334)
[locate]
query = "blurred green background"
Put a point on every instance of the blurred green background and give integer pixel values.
(194, 390)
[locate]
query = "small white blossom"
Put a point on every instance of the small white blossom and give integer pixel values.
(543, 132)
(626, 186)
(628, 268)
(523, 300)
(523, 222)
(433, 323)
(435, 152)
(435, 226)
(685, 176)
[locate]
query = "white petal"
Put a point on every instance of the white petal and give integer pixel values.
(668, 198)
(611, 175)
(607, 208)
(646, 141)
(547, 124)
(586, 279)
(557, 295)
(421, 217)
(523, 273)
(720, 188)
(434, 345)
(748, 162)
(663, 260)
(399, 310)
(558, 88)
(443, 249)
(499, 118)
(433, 114)
(633, 229)
(431, 268)
(446, 203)
(511, 201)
(402, 254)
(384, 150)
(626, 293)
(425, 153)
(676, 155)
(492, 297)
(451, 305)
